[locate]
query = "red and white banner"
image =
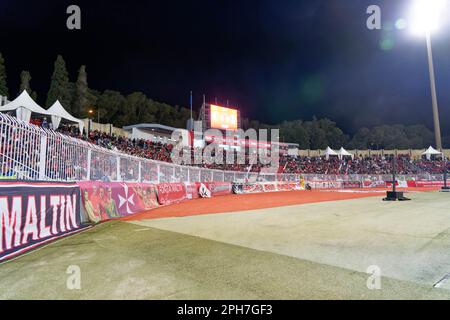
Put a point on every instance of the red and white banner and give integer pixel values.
(430, 184)
(287, 186)
(191, 190)
(400, 184)
(374, 184)
(270, 187)
(217, 188)
(325, 184)
(169, 193)
(259, 187)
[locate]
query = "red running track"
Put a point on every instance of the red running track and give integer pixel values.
(242, 202)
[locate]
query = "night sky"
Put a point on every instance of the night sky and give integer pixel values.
(274, 60)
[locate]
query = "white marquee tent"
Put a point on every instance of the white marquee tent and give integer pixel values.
(330, 152)
(58, 113)
(24, 106)
(344, 153)
(430, 152)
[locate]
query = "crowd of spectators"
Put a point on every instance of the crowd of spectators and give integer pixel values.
(374, 164)
(19, 156)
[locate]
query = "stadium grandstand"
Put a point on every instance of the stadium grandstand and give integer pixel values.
(224, 154)
(158, 147)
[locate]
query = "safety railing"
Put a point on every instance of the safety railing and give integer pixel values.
(30, 152)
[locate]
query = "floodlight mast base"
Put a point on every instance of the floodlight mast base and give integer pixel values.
(394, 195)
(445, 188)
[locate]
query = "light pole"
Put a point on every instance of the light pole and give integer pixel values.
(437, 126)
(90, 120)
(425, 18)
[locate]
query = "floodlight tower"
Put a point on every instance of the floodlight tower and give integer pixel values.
(425, 19)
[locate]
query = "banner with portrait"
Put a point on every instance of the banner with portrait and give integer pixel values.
(109, 200)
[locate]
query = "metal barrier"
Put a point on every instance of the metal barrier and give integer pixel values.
(29, 152)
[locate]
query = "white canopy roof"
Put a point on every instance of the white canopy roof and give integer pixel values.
(58, 112)
(24, 106)
(342, 152)
(431, 151)
(330, 152)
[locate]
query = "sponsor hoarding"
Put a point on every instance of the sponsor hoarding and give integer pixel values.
(108, 200)
(169, 193)
(32, 214)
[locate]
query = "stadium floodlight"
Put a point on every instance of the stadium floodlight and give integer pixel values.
(426, 18)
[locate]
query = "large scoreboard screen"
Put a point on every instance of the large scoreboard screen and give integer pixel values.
(223, 118)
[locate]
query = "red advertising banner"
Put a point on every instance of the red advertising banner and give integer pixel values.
(260, 187)
(400, 184)
(169, 193)
(191, 190)
(374, 184)
(108, 200)
(430, 184)
(411, 184)
(351, 184)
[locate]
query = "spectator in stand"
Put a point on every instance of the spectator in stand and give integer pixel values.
(45, 124)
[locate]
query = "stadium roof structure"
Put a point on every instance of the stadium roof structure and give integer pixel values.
(24, 106)
(152, 127)
(58, 113)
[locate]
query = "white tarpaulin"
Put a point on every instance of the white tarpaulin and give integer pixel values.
(430, 152)
(58, 112)
(344, 153)
(24, 106)
(330, 152)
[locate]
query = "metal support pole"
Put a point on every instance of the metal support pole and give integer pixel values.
(437, 127)
(42, 157)
(394, 169)
(445, 188)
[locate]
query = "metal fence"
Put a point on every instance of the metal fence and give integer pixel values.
(29, 152)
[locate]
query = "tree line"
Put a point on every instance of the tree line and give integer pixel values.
(110, 106)
(120, 110)
(320, 133)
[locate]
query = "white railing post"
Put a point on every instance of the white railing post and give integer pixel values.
(89, 157)
(139, 172)
(119, 177)
(42, 157)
